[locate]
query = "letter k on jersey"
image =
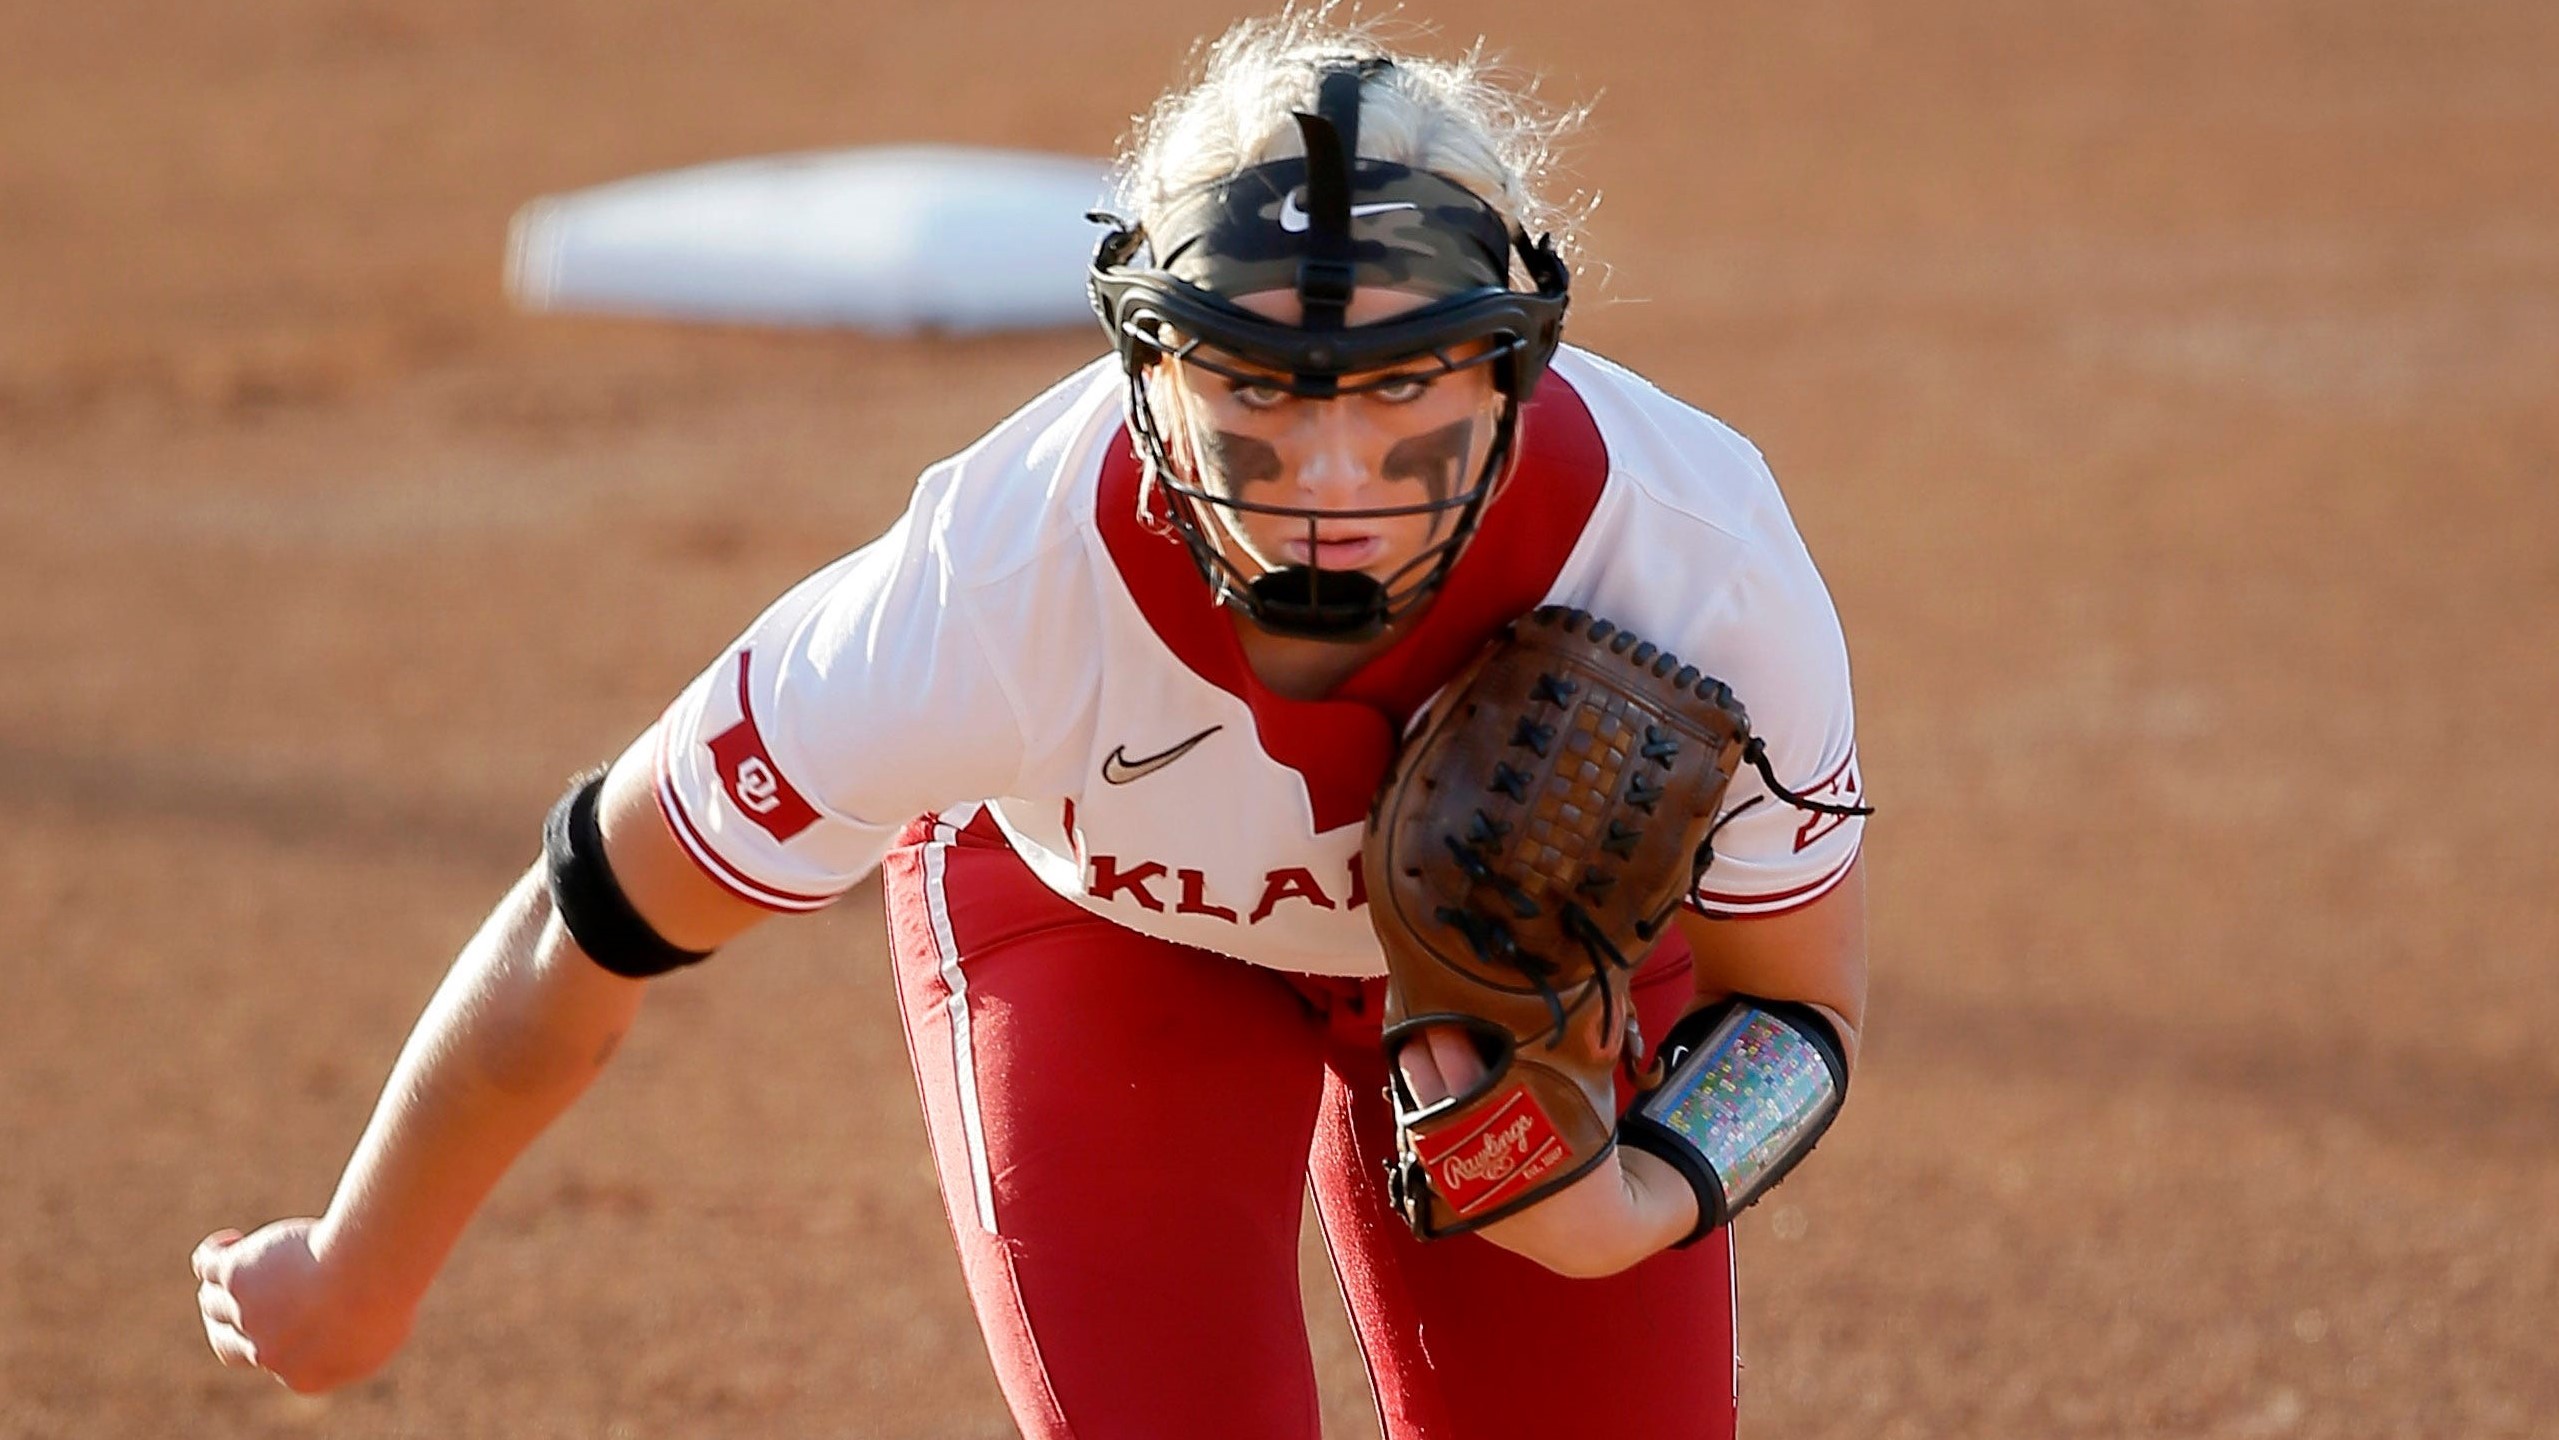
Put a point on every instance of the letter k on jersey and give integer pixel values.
(1107, 878)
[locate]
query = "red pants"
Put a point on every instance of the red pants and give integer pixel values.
(1124, 1129)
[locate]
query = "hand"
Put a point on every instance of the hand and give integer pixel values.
(271, 1303)
(1630, 1205)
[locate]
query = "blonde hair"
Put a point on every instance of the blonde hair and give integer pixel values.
(1465, 118)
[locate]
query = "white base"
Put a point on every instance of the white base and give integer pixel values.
(891, 239)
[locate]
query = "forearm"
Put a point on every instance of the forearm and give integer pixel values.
(518, 1029)
(1814, 956)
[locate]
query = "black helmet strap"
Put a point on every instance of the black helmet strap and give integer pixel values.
(1331, 136)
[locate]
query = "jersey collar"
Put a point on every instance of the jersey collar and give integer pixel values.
(1342, 744)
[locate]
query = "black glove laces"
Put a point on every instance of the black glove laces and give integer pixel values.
(1756, 752)
(1494, 944)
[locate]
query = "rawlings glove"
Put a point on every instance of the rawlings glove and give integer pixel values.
(1549, 812)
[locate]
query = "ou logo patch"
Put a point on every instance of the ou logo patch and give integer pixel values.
(747, 772)
(759, 790)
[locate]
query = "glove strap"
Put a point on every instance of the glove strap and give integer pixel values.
(1752, 1084)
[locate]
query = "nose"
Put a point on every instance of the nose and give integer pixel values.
(1334, 468)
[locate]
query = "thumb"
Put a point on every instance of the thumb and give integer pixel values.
(211, 1258)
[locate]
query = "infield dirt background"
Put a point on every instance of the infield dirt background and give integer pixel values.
(2166, 390)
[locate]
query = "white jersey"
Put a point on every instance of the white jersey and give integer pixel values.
(1023, 641)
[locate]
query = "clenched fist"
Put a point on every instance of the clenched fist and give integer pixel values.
(271, 1303)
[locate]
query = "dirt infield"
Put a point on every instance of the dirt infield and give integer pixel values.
(2166, 389)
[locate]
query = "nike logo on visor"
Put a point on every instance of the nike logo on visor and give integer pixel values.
(1120, 770)
(1293, 216)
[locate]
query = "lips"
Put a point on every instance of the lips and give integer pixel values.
(1335, 552)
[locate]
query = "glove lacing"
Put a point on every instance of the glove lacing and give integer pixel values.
(1494, 944)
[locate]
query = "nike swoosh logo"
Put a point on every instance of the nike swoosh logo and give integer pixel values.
(1293, 217)
(1120, 770)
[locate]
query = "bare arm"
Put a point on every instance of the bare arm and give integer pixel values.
(522, 1024)
(1816, 955)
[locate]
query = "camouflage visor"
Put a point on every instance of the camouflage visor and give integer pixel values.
(1410, 230)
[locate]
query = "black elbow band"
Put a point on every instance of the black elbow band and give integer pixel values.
(589, 901)
(1752, 1084)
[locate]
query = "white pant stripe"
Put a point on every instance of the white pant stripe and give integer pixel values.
(1733, 1276)
(946, 829)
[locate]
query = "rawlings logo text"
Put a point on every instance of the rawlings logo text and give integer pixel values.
(1509, 1151)
(1498, 1155)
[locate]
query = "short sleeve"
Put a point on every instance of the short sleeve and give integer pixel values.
(1692, 547)
(1779, 646)
(860, 700)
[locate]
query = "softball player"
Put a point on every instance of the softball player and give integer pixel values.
(1139, 659)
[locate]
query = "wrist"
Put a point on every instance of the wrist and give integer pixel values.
(375, 1278)
(1676, 1167)
(1663, 1200)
